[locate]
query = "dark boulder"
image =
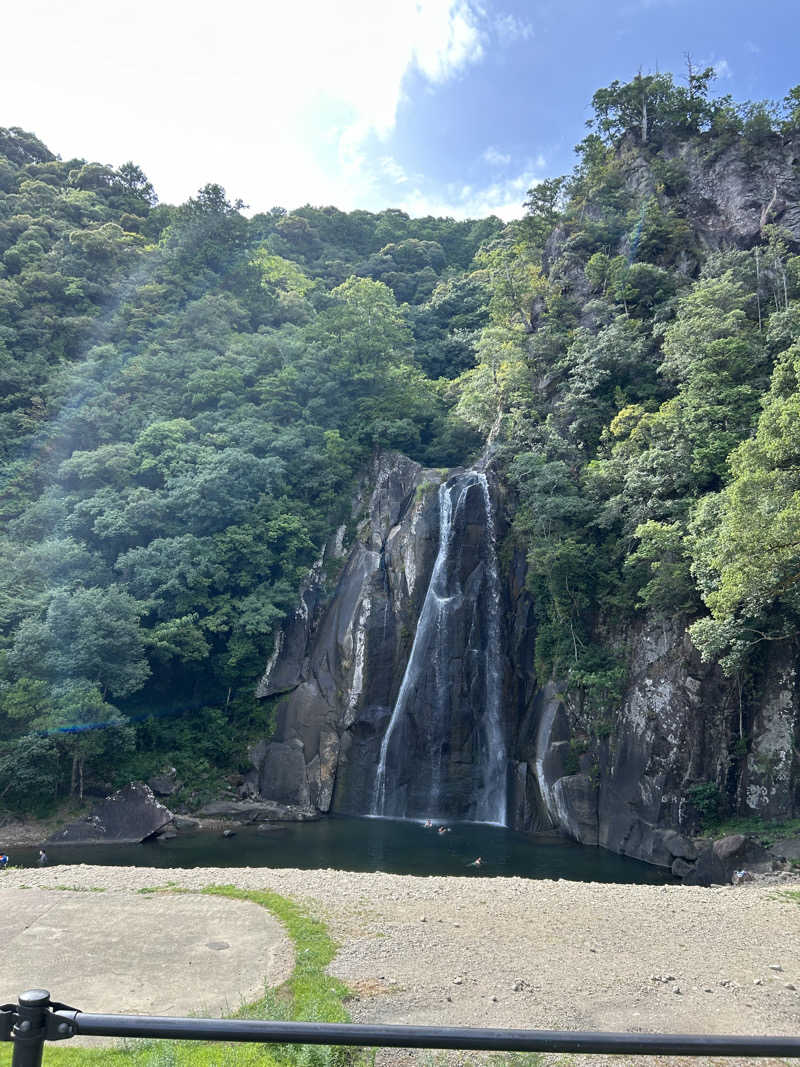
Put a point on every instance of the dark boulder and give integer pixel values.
(125, 818)
(786, 849)
(164, 785)
(717, 862)
(681, 869)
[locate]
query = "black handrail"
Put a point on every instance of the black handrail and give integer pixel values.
(36, 1019)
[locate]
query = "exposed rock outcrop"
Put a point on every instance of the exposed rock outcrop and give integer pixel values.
(125, 818)
(719, 861)
(728, 193)
(342, 666)
(626, 782)
(632, 780)
(244, 811)
(339, 659)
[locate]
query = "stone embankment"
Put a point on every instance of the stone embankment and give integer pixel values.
(512, 952)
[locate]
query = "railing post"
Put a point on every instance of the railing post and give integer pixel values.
(30, 1029)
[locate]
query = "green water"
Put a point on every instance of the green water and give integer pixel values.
(351, 844)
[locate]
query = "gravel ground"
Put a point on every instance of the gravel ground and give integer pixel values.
(512, 952)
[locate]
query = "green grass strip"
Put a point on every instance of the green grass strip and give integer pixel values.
(309, 995)
(315, 995)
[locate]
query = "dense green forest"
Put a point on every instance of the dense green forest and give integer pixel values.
(189, 395)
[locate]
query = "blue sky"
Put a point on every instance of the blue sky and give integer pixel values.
(443, 106)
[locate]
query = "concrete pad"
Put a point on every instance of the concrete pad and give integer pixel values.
(150, 954)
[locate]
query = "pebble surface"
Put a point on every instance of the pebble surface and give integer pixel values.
(513, 952)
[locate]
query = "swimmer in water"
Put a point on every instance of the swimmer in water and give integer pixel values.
(476, 862)
(428, 824)
(442, 830)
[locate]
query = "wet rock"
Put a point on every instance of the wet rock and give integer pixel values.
(283, 778)
(185, 822)
(339, 657)
(126, 817)
(249, 811)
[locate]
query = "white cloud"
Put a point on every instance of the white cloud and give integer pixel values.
(393, 170)
(502, 198)
(276, 101)
(495, 158)
(511, 30)
(446, 38)
(722, 69)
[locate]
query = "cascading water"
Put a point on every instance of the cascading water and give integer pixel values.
(491, 805)
(443, 754)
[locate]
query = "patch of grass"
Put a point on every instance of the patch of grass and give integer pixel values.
(315, 995)
(765, 832)
(78, 888)
(309, 995)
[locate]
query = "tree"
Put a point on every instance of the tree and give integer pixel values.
(545, 203)
(208, 230)
(663, 554)
(89, 635)
(746, 539)
(134, 181)
(651, 106)
(519, 286)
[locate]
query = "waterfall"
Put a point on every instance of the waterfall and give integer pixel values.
(492, 800)
(443, 753)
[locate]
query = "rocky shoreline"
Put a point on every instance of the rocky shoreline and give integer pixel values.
(134, 814)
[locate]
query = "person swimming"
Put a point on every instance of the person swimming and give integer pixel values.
(476, 862)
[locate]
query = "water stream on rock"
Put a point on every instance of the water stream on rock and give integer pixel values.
(443, 754)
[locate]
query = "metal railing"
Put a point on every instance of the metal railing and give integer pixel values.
(35, 1019)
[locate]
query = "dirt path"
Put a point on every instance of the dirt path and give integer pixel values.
(511, 952)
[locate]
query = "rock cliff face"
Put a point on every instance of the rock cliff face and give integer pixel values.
(338, 662)
(634, 779)
(681, 728)
(625, 783)
(732, 193)
(390, 689)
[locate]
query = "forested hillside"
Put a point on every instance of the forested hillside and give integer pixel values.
(644, 351)
(189, 397)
